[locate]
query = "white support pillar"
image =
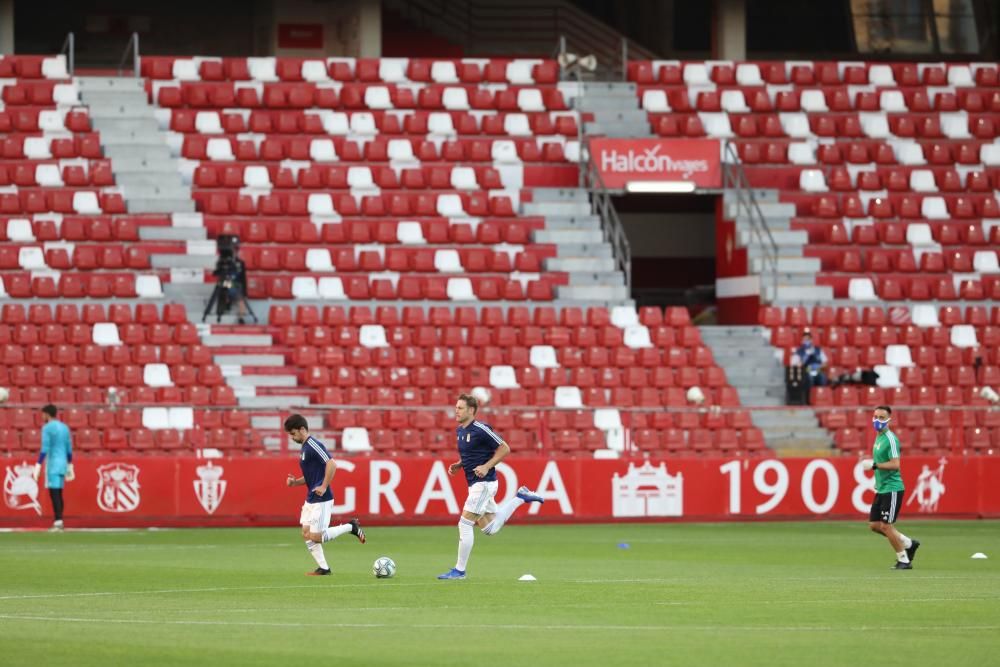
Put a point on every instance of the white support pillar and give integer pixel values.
(730, 25)
(6, 27)
(370, 28)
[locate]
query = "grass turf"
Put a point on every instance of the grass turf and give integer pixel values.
(706, 594)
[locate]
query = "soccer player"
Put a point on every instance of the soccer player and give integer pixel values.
(57, 455)
(317, 473)
(479, 451)
(888, 489)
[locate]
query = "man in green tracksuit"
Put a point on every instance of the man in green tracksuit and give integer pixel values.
(888, 489)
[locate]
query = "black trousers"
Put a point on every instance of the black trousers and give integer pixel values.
(57, 502)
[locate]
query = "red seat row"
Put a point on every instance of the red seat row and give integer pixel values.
(436, 231)
(872, 316)
(400, 259)
(396, 204)
(130, 333)
(70, 313)
(80, 228)
(322, 177)
(409, 288)
(54, 200)
(70, 285)
(22, 174)
(136, 352)
(84, 258)
(221, 395)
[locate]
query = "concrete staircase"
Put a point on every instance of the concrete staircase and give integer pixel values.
(615, 107)
(140, 158)
(754, 368)
(581, 248)
(795, 279)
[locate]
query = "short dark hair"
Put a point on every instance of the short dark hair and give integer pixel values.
(884, 407)
(470, 401)
(295, 422)
(50, 410)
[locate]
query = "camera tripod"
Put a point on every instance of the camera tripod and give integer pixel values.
(221, 300)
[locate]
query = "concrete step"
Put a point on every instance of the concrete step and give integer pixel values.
(781, 238)
(606, 88)
(163, 206)
(561, 236)
(608, 293)
(556, 208)
(617, 129)
(266, 422)
(590, 278)
(797, 293)
(276, 402)
(262, 381)
(101, 110)
(249, 359)
(592, 103)
(150, 179)
(152, 157)
(151, 233)
(624, 116)
(585, 251)
(168, 189)
(237, 340)
(767, 279)
(114, 98)
(170, 261)
(572, 222)
(797, 417)
(756, 251)
(108, 83)
(559, 195)
(145, 127)
(579, 264)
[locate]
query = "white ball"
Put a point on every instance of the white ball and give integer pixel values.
(481, 394)
(384, 567)
(4, 394)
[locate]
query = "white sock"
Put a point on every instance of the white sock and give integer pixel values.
(316, 551)
(466, 537)
(907, 542)
(506, 508)
(333, 532)
(902, 557)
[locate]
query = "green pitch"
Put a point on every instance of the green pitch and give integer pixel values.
(701, 594)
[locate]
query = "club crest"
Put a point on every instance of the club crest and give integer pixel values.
(118, 487)
(20, 490)
(210, 487)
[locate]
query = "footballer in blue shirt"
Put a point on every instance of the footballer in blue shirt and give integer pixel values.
(317, 474)
(480, 449)
(57, 455)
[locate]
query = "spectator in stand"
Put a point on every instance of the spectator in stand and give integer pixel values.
(813, 359)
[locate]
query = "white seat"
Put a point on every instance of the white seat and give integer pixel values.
(66, 94)
(181, 418)
(813, 101)
(964, 335)
(572, 151)
(450, 206)
(464, 178)
(105, 334)
(861, 289)
(960, 75)
(637, 337)
(504, 151)
(985, 261)
(543, 356)
(37, 148)
(207, 122)
(460, 289)
(934, 208)
(624, 316)
(410, 232)
(355, 439)
(733, 101)
(314, 71)
(322, 150)
(898, 356)
(521, 72)
(891, 101)
(795, 125)
(909, 153)
(716, 124)
(874, 124)
(922, 180)
(812, 180)
(48, 175)
(372, 336)
(392, 70)
(439, 122)
(156, 375)
(568, 397)
(516, 125)
(748, 74)
(925, 316)
(455, 99)
(400, 150)
(360, 178)
(257, 176)
(919, 234)
(304, 287)
(262, 69)
(320, 203)
(377, 97)
(881, 75)
(331, 288)
(336, 123)
(888, 376)
(696, 74)
(86, 203)
(363, 123)
(989, 154)
(155, 419)
(55, 68)
(443, 71)
(219, 150)
(447, 261)
(52, 120)
(318, 260)
(530, 100)
(19, 230)
(607, 418)
(31, 259)
(148, 287)
(503, 377)
(655, 101)
(955, 125)
(801, 152)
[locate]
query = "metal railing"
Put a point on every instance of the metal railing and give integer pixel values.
(69, 49)
(602, 206)
(736, 183)
(133, 48)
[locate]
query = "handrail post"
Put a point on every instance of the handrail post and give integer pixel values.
(69, 48)
(135, 54)
(624, 58)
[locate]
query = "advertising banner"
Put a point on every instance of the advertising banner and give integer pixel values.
(690, 160)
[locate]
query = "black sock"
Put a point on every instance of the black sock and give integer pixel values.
(57, 502)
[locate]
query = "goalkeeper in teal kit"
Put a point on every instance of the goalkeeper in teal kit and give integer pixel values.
(57, 455)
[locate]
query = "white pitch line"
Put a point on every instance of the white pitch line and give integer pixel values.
(505, 626)
(835, 601)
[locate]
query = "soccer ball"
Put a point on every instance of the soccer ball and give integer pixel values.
(383, 567)
(4, 394)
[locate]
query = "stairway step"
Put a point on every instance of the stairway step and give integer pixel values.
(172, 233)
(249, 359)
(262, 381)
(240, 340)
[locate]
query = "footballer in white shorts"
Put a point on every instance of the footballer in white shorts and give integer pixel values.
(481, 498)
(316, 515)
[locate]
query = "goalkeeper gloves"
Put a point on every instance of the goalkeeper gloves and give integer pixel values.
(867, 464)
(36, 472)
(70, 473)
